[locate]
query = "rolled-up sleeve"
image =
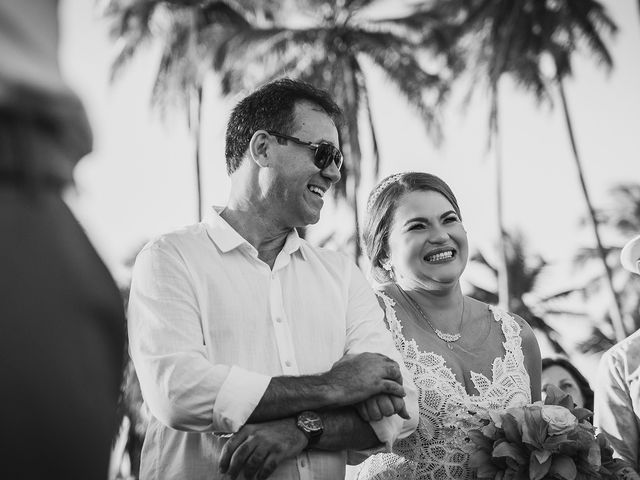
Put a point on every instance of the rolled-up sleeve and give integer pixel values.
(614, 412)
(366, 332)
(181, 387)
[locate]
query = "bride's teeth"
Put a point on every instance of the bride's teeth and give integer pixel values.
(440, 256)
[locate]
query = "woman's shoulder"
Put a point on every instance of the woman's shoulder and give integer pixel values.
(529, 340)
(387, 289)
(512, 324)
(531, 353)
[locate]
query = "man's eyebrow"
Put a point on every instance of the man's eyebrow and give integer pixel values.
(325, 140)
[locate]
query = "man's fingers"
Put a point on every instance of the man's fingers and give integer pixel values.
(361, 408)
(268, 467)
(393, 372)
(255, 462)
(392, 388)
(239, 458)
(228, 449)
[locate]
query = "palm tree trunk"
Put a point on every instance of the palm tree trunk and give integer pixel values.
(196, 112)
(196, 129)
(355, 154)
(504, 295)
(615, 311)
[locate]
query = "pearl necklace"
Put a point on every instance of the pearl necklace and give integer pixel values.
(448, 338)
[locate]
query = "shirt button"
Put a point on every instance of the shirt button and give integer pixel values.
(287, 363)
(278, 320)
(303, 464)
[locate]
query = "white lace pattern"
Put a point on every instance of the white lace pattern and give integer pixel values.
(438, 449)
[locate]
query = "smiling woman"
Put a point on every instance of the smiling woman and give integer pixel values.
(465, 356)
(560, 372)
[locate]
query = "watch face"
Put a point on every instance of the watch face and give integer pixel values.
(310, 422)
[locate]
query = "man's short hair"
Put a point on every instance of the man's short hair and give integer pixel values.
(271, 107)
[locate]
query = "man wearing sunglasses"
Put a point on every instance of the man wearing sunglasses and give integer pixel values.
(258, 354)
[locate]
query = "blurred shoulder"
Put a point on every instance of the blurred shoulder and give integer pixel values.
(627, 350)
(177, 240)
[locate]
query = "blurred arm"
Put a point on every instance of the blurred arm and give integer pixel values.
(614, 408)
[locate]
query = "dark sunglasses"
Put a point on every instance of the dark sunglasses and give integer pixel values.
(323, 153)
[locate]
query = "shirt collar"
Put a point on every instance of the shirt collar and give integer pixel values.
(227, 239)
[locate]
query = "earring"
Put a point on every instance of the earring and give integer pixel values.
(389, 268)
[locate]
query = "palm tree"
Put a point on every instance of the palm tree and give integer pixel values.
(249, 45)
(623, 216)
(184, 28)
(327, 49)
(525, 270)
(514, 38)
(622, 220)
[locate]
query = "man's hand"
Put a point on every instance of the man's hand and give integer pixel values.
(257, 449)
(359, 377)
(379, 406)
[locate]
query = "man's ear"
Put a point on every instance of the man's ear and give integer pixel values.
(259, 148)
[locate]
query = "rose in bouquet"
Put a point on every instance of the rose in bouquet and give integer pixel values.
(553, 439)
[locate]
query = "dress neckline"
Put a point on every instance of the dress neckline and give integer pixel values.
(480, 382)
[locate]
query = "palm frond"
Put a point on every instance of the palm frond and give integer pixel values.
(424, 91)
(590, 19)
(597, 342)
(559, 295)
(131, 29)
(177, 76)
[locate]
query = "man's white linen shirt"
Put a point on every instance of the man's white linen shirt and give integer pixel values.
(617, 398)
(210, 324)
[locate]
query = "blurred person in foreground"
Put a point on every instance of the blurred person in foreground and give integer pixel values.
(62, 319)
(563, 374)
(617, 392)
(464, 356)
(251, 344)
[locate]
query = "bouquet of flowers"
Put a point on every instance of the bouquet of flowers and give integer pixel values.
(546, 440)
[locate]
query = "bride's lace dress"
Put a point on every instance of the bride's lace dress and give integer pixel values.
(439, 448)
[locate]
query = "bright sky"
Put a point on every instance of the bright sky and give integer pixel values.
(139, 181)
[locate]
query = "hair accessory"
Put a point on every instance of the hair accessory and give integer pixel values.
(381, 187)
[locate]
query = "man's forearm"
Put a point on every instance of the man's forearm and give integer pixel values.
(288, 396)
(351, 380)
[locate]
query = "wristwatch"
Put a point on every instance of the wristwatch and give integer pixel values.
(311, 425)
